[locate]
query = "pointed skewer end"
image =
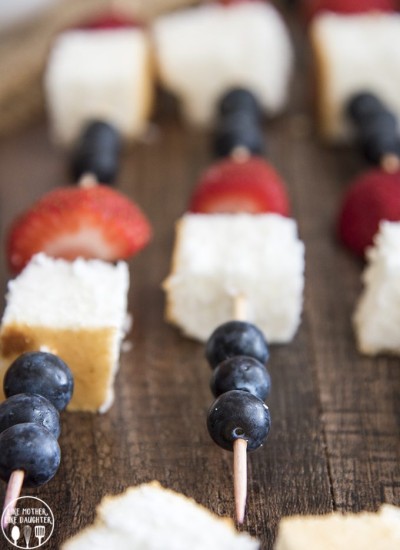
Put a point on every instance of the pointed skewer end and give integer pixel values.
(240, 478)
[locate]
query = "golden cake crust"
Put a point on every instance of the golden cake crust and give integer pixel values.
(86, 351)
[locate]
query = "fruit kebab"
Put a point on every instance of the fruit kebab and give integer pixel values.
(358, 102)
(237, 278)
(240, 181)
(373, 196)
(98, 85)
(203, 51)
(358, 69)
(353, 54)
(68, 296)
(38, 386)
(238, 420)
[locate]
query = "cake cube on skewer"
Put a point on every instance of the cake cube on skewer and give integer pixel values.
(99, 75)
(363, 531)
(151, 517)
(219, 256)
(204, 51)
(354, 53)
(76, 310)
(377, 315)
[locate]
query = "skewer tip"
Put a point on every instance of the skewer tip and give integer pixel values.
(240, 478)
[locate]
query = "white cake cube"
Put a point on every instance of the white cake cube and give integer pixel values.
(204, 51)
(377, 315)
(363, 531)
(149, 517)
(76, 310)
(354, 53)
(220, 256)
(102, 75)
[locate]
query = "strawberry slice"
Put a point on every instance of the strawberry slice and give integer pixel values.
(109, 21)
(91, 222)
(231, 186)
(374, 196)
(313, 7)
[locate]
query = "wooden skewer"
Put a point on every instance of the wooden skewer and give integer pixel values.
(240, 445)
(390, 163)
(14, 487)
(240, 154)
(87, 180)
(240, 477)
(240, 307)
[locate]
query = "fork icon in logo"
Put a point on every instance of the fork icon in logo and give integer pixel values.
(40, 531)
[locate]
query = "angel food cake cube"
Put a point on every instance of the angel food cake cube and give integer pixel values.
(99, 75)
(377, 315)
(354, 53)
(153, 518)
(76, 310)
(204, 51)
(219, 256)
(363, 531)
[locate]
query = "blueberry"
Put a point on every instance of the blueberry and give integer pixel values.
(42, 373)
(97, 152)
(238, 130)
(238, 414)
(241, 373)
(376, 126)
(383, 122)
(239, 99)
(28, 407)
(236, 338)
(376, 146)
(363, 105)
(32, 448)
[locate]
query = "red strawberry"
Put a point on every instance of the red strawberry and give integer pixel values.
(233, 186)
(313, 7)
(374, 196)
(109, 21)
(92, 222)
(233, 2)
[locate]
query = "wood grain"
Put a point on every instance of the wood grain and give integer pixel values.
(336, 415)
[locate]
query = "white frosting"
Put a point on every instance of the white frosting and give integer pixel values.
(357, 53)
(220, 256)
(204, 51)
(98, 75)
(61, 294)
(377, 316)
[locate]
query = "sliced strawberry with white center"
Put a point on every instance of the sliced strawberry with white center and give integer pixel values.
(92, 222)
(231, 186)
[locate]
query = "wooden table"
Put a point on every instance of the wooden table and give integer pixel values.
(334, 443)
